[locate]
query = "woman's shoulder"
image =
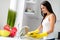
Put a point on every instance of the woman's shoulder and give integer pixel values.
(52, 15)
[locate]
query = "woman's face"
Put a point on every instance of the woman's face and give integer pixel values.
(43, 9)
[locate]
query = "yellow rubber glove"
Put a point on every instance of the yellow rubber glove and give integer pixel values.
(41, 35)
(32, 32)
(36, 31)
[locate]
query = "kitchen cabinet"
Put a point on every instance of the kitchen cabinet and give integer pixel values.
(31, 8)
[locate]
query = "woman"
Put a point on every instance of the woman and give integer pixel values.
(47, 24)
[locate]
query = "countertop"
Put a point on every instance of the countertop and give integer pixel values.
(23, 38)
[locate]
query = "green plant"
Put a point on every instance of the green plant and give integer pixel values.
(11, 18)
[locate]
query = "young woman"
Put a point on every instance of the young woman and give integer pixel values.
(47, 24)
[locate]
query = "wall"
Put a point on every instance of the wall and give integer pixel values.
(33, 23)
(25, 19)
(4, 5)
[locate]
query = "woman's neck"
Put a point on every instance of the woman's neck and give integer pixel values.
(48, 13)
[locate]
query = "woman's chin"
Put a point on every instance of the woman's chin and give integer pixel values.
(44, 12)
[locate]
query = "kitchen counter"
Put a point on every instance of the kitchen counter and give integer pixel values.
(8, 38)
(30, 38)
(23, 38)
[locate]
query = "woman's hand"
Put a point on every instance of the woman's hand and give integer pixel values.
(33, 32)
(38, 35)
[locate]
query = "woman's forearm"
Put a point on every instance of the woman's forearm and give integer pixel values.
(40, 27)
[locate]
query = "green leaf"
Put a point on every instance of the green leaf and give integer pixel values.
(11, 18)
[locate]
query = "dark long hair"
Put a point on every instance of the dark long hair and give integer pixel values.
(49, 8)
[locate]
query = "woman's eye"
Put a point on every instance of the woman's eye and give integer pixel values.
(43, 8)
